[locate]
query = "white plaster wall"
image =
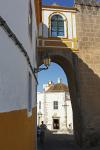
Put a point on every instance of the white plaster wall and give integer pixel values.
(48, 111)
(45, 20)
(14, 69)
(16, 12)
(74, 25)
(40, 97)
(68, 15)
(34, 92)
(69, 114)
(32, 50)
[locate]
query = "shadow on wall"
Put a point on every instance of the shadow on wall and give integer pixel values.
(84, 87)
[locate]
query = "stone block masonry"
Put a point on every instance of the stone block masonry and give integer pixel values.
(88, 67)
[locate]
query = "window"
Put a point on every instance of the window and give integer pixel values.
(55, 104)
(39, 104)
(57, 26)
(30, 94)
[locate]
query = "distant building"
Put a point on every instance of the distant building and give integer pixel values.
(54, 107)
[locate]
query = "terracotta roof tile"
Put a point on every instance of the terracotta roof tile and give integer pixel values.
(58, 87)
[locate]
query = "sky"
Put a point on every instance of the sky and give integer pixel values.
(55, 71)
(59, 2)
(52, 74)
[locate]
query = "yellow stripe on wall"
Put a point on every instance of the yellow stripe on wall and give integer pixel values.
(17, 131)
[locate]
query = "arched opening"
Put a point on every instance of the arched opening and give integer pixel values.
(67, 67)
(69, 70)
(53, 83)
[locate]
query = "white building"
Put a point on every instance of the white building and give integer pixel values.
(19, 20)
(54, 107)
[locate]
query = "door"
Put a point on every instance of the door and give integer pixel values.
(55, 123)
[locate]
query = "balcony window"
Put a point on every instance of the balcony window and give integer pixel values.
(57, 26)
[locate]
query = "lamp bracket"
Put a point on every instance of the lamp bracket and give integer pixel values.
(36, 70)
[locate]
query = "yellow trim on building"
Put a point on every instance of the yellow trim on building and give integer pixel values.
(17, 131)
(61, 8)
(74, 38)
(58, 43)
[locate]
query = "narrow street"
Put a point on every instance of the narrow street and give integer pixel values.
(58, 142)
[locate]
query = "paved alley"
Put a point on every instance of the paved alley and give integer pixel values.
(60, 142)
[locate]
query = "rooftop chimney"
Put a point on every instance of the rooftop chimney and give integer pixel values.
(55, 4)
(59, 80)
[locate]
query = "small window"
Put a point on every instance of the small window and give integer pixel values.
(57, 26)
(30, 94)
(55, 105)
(39, 104)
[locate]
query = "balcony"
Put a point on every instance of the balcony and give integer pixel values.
(57, 43)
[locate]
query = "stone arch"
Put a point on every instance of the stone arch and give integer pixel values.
(65, 61)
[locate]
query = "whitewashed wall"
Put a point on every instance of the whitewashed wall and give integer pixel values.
(48, 112)
(70, 114)
(70, 16)
(16, 13)
(14, 69)
(40, 97)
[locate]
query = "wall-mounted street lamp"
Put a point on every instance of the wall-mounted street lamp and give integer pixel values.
(46, 62)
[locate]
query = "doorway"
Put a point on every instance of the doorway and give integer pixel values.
(56, 124)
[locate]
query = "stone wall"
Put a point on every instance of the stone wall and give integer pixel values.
(88, 2)
(88, 67)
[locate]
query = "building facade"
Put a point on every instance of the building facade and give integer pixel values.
(18, 32)
(54, 108)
